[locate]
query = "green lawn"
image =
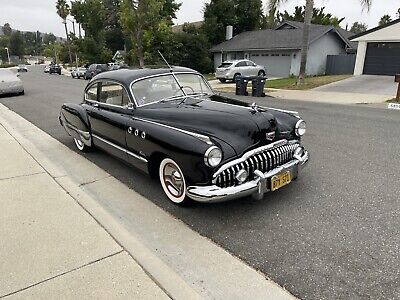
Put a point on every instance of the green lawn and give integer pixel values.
(209, 76)
(310, 82)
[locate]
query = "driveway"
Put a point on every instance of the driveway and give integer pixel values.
(364, 84)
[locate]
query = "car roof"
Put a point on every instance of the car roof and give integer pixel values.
(126, 76)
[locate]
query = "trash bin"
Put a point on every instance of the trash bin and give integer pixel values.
(241, 86)
(258, 85)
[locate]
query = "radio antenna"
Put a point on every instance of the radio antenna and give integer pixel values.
(162, 56)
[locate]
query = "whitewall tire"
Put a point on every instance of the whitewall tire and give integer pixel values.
(172, 181)
(80, 145)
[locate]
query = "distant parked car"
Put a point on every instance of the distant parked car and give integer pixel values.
(95, 69)
(230, 70)
(78, 72)
(10, 83)
(46, 69)
(22, 68)
(55, 69)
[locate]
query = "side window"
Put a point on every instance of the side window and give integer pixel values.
(250, 64)
(91, 93)
(241, 64)
(113, 93)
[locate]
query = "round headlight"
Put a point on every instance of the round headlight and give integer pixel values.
(213, 156)
(300, 128)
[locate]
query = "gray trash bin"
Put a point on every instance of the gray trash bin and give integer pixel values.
(241, 86)
(258, 85)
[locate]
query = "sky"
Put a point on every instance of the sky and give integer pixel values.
(30, 15)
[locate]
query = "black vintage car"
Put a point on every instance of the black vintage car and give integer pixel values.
(201, 146)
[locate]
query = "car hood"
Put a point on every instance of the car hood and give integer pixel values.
(220, 118)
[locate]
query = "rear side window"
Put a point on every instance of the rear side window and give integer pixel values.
(114, 94)
(241, 64)
(225, 65)
(91, 93)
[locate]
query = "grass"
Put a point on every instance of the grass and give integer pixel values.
(392, 101)
(209, 76)
(310, 82)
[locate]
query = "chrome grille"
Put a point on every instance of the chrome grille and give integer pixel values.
(262, 160)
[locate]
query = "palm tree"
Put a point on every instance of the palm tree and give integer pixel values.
(63, 11)
(274, 4)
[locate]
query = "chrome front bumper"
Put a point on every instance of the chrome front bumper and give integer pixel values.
(256, 188)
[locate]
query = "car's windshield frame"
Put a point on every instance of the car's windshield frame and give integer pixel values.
(185, 95)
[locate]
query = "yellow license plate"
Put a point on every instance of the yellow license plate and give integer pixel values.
(280, 180)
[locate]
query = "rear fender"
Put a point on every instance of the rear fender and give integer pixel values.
(74, 119)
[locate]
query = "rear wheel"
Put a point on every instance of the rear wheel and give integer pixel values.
(222, 80)
(172, 181)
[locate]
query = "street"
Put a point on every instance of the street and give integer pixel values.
(331, 234)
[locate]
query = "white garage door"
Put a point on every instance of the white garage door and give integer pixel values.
(276, 64)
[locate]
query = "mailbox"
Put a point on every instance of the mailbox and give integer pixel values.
(397, 78)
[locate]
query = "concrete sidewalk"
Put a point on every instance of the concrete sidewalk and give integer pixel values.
(329, 97)
(51, 247)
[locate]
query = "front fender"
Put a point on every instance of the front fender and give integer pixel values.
(74, 119)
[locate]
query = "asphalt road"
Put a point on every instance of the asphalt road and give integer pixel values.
(332, 234)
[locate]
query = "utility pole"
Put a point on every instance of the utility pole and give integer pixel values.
(8, 55)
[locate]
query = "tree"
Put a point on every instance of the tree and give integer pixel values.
(248, 15)
(358, 27)
(17, 46)
(49, 38)
(63, 11)
(4, 42)
(270, 19)
(191, 50)
(319, 16)
(385, 19)
(217, 15)
(7, 29)
(135, 17)
(306, 29)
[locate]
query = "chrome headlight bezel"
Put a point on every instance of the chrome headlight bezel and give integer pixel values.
(213, 157)
(300, 128)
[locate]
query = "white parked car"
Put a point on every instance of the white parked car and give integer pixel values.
(10, 83)
(78, 72)
(229, 70)
(47, 69)
(22, 68)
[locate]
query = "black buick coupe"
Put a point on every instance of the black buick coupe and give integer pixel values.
(203, 146)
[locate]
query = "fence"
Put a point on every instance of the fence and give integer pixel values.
(340, 64)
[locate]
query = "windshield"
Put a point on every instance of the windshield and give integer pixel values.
(165, 87)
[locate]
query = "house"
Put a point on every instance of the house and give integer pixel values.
(119, 56)
(378, 50)
(279, 49)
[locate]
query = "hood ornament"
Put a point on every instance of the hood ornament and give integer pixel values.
(254, 107)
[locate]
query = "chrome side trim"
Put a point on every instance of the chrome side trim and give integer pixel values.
(291, 112)
(120, 148)
(252, 153)
(198, 136)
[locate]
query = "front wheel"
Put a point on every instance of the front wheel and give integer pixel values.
(81, 145)
(172, 181)
(261, 73)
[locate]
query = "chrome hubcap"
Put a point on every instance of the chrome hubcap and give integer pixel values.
(173, 180)
(79, 144)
